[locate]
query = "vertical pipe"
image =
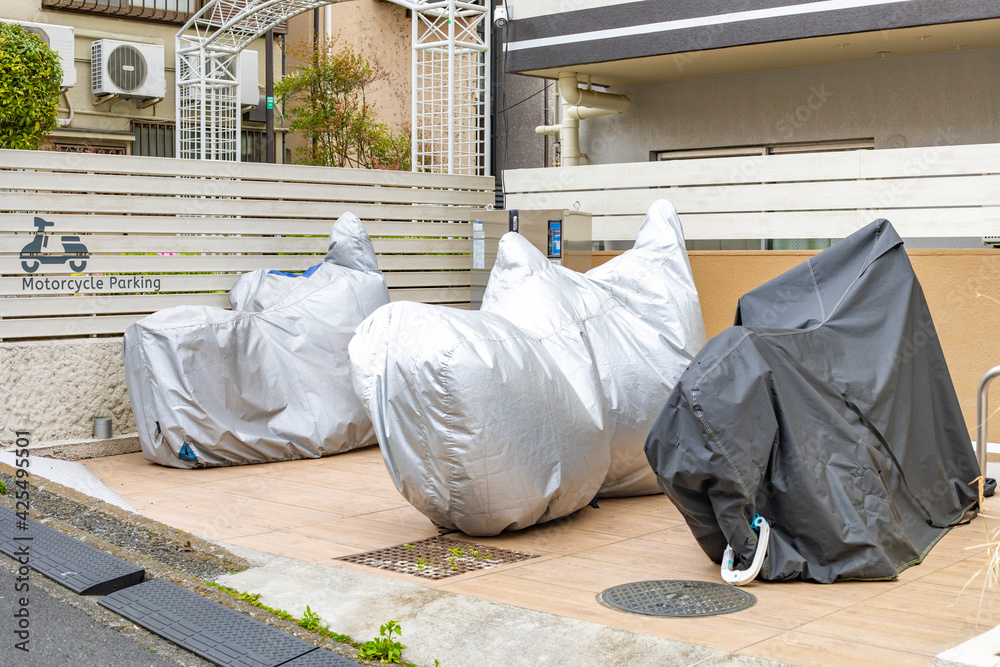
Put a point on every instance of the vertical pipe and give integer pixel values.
(315, 62)
(451, 86)
(487, 88)
(203, 107)
(545, 121)
(982, 416)
(237, 110)
(414, 92)
(269, 96)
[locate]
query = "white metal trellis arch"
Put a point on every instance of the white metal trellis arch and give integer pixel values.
(450, 75)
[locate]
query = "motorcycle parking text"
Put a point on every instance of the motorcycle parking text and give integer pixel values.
(91, 284)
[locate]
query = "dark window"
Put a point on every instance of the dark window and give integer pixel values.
(252, 146)
(153, 139)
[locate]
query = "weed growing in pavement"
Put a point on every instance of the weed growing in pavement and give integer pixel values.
(310, 620)
(384, 648)
(3, 488)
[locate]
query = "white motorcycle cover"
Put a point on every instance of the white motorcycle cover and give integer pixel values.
(527, 410)
(266, 381)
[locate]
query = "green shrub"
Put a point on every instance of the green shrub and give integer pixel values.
(30, 80)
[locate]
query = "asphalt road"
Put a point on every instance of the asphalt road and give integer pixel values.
(61, 635)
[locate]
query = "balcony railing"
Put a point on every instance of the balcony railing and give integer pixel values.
(160, 11)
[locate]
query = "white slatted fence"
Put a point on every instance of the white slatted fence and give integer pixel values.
(162, 232)
(938, 191)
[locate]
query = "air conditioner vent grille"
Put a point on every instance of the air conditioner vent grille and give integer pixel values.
(127, 68)
(35, 30)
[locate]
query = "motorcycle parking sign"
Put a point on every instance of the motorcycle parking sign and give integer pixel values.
(34, 254)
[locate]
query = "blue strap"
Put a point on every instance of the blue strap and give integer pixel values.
(305, 274)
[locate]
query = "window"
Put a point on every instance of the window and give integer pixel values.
(253, 147)
(153, 139)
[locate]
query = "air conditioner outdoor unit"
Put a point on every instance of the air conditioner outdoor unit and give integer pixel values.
(60, 39)
(249, 77)
(127, 69)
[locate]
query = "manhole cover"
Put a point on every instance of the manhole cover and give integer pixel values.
(677, 598)
(438, 557)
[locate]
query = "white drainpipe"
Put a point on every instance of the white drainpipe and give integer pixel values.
(579, 104)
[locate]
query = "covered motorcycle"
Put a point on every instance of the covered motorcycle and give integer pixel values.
(528, 409)
(828, 410)
(266, 381)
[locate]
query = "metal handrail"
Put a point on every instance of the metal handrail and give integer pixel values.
(982, 408)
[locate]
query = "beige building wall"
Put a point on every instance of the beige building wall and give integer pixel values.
(960, 287)
(374, 27)
(927, 100)
(110, 123)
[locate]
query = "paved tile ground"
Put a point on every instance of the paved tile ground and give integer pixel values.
(319, 509)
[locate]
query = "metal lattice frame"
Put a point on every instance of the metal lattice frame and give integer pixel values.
(451, 88)
(450, 95)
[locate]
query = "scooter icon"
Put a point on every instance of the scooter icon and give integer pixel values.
(74, 252)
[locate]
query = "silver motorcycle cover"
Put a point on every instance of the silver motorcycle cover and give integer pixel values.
(266, 381)
(527, 410)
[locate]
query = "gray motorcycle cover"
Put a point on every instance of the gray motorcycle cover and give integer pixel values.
(266, 381)
(829, 411)
(525, 411)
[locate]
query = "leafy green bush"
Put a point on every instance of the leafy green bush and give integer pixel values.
(30, 80)
(326, 102)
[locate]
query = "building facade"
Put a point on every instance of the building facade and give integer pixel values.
(134, 115)
(711, 78)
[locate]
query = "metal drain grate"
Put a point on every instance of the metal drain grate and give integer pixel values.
(438, 557)
(677, 598)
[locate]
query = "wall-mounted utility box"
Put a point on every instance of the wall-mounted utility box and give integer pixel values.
(566, 238)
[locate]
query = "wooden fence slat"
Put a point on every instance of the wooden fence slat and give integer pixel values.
(166, 224)
(223, 282)
(99, 244)
(910, 223)
(439, 295)
(147, 264)
(672, 173)
(127, 165)
(45, 203)
(236, 189)
(65, 327)
(103, 305)
(939, 192)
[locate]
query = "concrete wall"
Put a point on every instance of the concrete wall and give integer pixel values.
(54, 389)
(110, 122)
(942, 99)
(528, 105)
